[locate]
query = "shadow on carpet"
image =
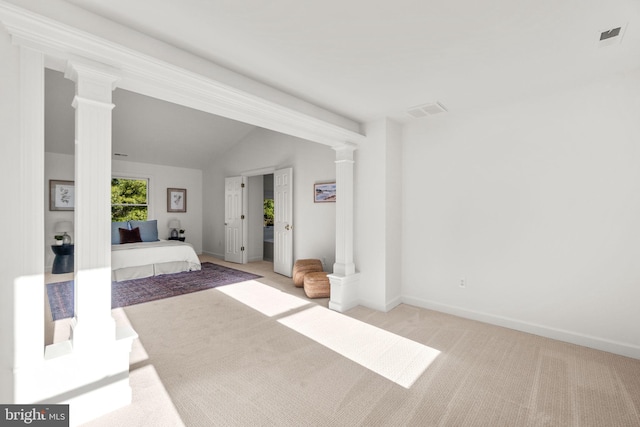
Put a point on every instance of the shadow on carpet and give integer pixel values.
(130, 292)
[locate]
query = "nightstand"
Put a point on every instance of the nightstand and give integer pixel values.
(63, 262)
(177, 238)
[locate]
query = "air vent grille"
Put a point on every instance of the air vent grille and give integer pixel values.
(611, 36)
(426, 110)
(614, 32)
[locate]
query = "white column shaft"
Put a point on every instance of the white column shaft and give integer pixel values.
(344, 280)
(28, 329)
(93, 321)
(344, 211)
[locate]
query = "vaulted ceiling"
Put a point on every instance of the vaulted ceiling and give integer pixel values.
(144, 129)
(367, 60)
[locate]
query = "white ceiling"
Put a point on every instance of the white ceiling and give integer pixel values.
(368, 59)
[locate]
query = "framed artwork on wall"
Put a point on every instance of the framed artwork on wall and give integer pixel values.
(61, 195)
(324, 193)
(176, 200)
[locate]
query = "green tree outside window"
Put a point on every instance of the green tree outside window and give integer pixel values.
(129, 199)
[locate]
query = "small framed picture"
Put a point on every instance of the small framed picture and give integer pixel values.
(61, 195)
(176, 200)
(324, 193)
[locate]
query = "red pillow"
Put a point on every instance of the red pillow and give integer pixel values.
(130, 236)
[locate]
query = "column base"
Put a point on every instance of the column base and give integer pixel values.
(344, 291)
(93, 382)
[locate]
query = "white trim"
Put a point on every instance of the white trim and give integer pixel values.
(258, 172)
(385, 308)
(214, 254)
(624, 349)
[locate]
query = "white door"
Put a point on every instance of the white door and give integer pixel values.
(234, 215)
(283, 223)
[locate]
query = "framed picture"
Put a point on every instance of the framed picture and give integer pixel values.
(176, 200)
(324, 193)
(61, 195)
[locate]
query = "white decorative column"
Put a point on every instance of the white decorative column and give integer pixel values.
(93, 324)
(344, 280)
(27, 231)
(90, 373)
(96, 359)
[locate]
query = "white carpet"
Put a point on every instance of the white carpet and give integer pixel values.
(393, 357)
(389, 355)
(265, 299)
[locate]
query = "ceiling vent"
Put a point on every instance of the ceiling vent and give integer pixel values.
(611, 36)
(426, 110)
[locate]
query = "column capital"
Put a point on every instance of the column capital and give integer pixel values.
(93, 80)
(345, 151)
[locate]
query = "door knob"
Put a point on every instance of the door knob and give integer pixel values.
(287, 227)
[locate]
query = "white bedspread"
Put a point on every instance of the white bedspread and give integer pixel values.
(168, 252)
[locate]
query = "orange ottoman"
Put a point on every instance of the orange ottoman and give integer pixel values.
(302, 267)
(316, 285)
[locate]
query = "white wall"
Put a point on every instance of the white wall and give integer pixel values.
(537, 206)
(314, 223)
(13, 265)
(378, 215)
(57, 167)
(61, 167)
(256, 218)
(394, 215)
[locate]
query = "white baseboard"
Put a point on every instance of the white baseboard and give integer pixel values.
(213, 254)
(221, 256)
(393, 303)
(381, 307)
(623, 349)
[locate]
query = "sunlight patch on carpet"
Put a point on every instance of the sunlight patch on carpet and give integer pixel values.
(138, 352)
(265, 299)
(391, 356)
(396, 358)
(151, 404)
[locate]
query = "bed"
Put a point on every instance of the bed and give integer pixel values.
(137, 252)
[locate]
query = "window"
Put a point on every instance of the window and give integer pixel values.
(129, 199)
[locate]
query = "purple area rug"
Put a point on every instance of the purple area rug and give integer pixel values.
(130, 292)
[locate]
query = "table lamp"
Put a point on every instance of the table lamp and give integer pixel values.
(174, 224)
(64, 227)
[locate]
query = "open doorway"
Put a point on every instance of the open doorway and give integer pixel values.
(260, 216)
(268, 214)
(245, 219)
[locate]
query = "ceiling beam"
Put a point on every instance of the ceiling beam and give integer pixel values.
(153, 77)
